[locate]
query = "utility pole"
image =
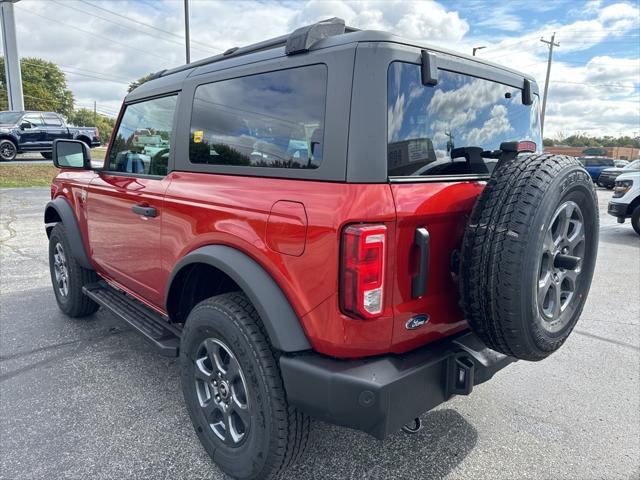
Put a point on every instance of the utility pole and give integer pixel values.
(186, 30)
(475, 49)
(551, 44)
(95, 114)
(13, 75)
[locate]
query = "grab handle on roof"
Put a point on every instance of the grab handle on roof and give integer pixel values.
(302, 39)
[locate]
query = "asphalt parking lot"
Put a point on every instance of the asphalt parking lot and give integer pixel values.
(91, 399)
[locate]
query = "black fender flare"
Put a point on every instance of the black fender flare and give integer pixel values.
(279, 318)
(72, 229)
(12, 137)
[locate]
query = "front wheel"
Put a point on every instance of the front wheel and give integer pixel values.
(635, 219)
(68, 276)
(234, 392)
(8, 150)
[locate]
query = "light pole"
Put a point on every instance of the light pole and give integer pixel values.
(552, 43)
(186, 30)
(15, 98)
(475, 49)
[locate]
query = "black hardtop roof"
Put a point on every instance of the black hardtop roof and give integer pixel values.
(327, 33)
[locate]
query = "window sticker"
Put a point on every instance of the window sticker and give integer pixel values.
(198, 136)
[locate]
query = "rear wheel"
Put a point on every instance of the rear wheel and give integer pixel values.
(234, 393)
(8, 150)
(528, 255)
(68, 276)
(635, 219)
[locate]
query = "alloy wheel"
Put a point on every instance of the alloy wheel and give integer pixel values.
(222, 392)
(7, 150)
(61, 270)
(560, 265)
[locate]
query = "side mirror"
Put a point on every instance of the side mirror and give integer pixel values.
(24, 125)
(71, 154)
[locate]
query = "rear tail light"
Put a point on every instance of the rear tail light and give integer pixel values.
(362, 270)
(97, 133)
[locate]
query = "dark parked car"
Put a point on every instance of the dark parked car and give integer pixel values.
(293, 220)
(607, 178)
(22, 132)
(595, 165)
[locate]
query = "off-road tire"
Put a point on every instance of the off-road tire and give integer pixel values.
(278, 434)
(503, 249)
(635, 219)
(74, 303)
(10, 148)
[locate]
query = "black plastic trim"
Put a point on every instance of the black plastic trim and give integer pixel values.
(419, 281)
(65, 212)
(440, 178)
(302, 39)
(153, 326)
(429, 68)
(379, 395)
(277, 315)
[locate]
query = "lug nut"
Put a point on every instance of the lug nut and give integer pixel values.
(217, 398)
(215, 383)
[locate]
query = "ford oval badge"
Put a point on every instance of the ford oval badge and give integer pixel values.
(417, 321)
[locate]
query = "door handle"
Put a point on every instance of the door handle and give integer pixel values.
(145, 210)
(419, 281)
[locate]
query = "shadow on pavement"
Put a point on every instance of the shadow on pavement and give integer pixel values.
(339, 453)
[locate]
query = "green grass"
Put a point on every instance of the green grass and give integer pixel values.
(35, 175)
(21, 175)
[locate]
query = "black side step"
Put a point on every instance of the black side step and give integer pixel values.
(149, 323)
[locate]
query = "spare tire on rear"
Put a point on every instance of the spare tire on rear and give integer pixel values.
(528, 254)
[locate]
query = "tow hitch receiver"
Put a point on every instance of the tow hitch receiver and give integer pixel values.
(460, 375)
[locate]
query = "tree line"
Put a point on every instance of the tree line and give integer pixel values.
(45, 89)
(582, 140)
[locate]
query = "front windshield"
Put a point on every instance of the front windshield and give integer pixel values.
(10, 118)
(635, 165)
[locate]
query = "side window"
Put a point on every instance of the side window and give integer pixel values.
(142, 143)
(52, 120)
(33, 118)
(445, 129)
(271, 119)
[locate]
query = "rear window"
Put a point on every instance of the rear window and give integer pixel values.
(427, 125)
(271, 119)
(52, 120)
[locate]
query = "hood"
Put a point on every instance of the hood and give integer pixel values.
(613, 170)
(632, 175)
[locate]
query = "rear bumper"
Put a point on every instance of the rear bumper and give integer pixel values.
(380, 395)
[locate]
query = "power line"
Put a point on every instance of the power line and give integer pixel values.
(74, 28)
(147, 25)
(121, 25)
(47, 67)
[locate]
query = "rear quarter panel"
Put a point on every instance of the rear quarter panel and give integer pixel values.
(204, 209)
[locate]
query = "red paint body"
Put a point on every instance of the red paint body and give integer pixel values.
(292, 229)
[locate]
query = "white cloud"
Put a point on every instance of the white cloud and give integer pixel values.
(603, 95)
(497, 123)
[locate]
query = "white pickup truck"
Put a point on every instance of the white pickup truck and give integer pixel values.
(625, 202)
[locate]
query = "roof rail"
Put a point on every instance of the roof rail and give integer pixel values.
(300, 41)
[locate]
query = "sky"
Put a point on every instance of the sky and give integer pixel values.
(595, 76)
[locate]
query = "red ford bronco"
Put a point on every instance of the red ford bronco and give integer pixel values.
(336, 224)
